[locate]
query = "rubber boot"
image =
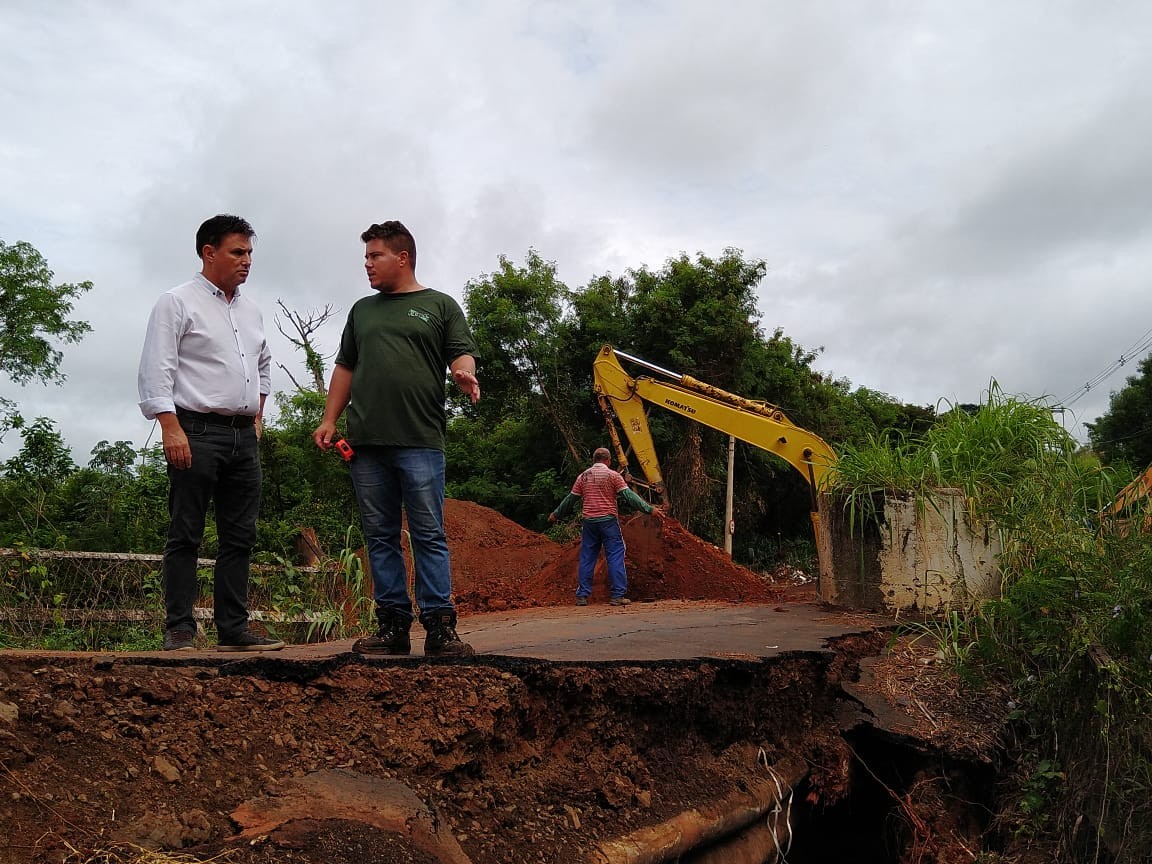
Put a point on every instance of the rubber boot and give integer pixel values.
(391, 637)
(442, 640)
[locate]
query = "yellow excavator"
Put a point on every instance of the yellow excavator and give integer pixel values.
(1122, 512)
(623, 401)
(1138, 490)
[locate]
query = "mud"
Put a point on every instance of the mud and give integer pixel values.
(164, 756)
(492, 759)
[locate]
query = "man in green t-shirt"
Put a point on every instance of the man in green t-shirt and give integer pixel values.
(389, 374)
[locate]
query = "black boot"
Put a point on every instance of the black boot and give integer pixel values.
(391, 637)
(442, 640)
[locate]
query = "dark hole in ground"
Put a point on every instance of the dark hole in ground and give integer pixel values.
(902, 803)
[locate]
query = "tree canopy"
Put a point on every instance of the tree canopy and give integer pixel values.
(1123, 433)
(33, 316)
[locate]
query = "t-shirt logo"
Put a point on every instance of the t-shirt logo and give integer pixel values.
(421, 314)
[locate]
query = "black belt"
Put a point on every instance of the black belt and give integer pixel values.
(236, 421)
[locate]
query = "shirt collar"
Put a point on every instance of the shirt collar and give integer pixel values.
(206, 284)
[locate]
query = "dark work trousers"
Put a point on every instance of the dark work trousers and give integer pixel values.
(226, 469)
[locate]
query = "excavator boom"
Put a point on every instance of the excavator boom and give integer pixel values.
(1138, 490)
(757, 423)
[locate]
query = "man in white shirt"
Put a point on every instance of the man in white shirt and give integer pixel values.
(204, 376)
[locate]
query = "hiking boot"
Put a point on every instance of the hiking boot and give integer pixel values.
(619, 601)
(249, 641)
(391, 637)
(581, 601)
(179, 640)
(442, 640)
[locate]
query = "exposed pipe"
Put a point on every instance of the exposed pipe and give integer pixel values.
(759, 843)
(768, 798)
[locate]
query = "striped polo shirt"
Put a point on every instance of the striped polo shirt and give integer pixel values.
(598, 486)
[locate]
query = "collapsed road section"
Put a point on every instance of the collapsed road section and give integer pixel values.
(318, 755)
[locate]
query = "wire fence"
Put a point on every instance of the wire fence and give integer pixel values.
(97, 600)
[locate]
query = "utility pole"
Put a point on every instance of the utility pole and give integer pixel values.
(729, 525)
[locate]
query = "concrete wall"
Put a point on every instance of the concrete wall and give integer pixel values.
(922, 554)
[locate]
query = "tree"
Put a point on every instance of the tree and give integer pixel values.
(29, 493)
(516, 316)
(33, 312)
(115, 459)
(305, 325)
(1124, 431)
(45, 458)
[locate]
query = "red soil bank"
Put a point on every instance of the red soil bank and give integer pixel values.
(497, 564)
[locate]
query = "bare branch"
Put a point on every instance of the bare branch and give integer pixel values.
(305, 325)
(290, 375)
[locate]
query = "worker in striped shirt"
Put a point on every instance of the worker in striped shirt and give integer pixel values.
(597, 490)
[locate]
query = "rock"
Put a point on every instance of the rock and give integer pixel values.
(152, 831)
(166, 770)
(197, 828)
(574, 815)
(168, 831)
(617, 792)
(346, 795)
(9, 713)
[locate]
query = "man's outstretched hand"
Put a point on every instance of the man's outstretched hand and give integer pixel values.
(467, 383)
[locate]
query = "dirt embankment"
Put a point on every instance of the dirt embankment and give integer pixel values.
(523, 763)
(488, 761)
(497, 564)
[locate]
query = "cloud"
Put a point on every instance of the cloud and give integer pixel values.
(943, 193)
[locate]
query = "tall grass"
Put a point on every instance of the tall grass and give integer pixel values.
(1072, 629)
(987, 454)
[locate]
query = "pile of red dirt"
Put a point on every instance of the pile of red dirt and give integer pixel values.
(498, 564)
(492, 558)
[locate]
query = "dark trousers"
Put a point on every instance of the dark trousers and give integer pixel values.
(226, 469)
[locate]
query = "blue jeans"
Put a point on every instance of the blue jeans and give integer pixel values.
(225, 469)
(390, 481)
(592, 537)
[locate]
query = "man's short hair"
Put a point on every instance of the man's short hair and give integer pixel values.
(214, 230)
(395, 236)
(602, 454)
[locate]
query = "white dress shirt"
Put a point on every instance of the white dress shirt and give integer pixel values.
(203, 353)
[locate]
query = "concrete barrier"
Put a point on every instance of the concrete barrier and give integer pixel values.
(907, 553)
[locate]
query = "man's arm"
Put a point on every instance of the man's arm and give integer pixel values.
(157, 375)
(634, 501)
(565, 507)
(464, 374)
(264, 367)
(339, 395)
(160, 357)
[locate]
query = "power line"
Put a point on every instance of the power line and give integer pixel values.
(1140, 346)
(1136, 434)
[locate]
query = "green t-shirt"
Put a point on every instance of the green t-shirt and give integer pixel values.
(399, 347)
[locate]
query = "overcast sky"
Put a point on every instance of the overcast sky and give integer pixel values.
(944, 192)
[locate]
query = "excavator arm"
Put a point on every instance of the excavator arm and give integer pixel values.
(1139, 489)
(623, 399)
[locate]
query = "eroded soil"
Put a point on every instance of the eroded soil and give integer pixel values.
(496, 760)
